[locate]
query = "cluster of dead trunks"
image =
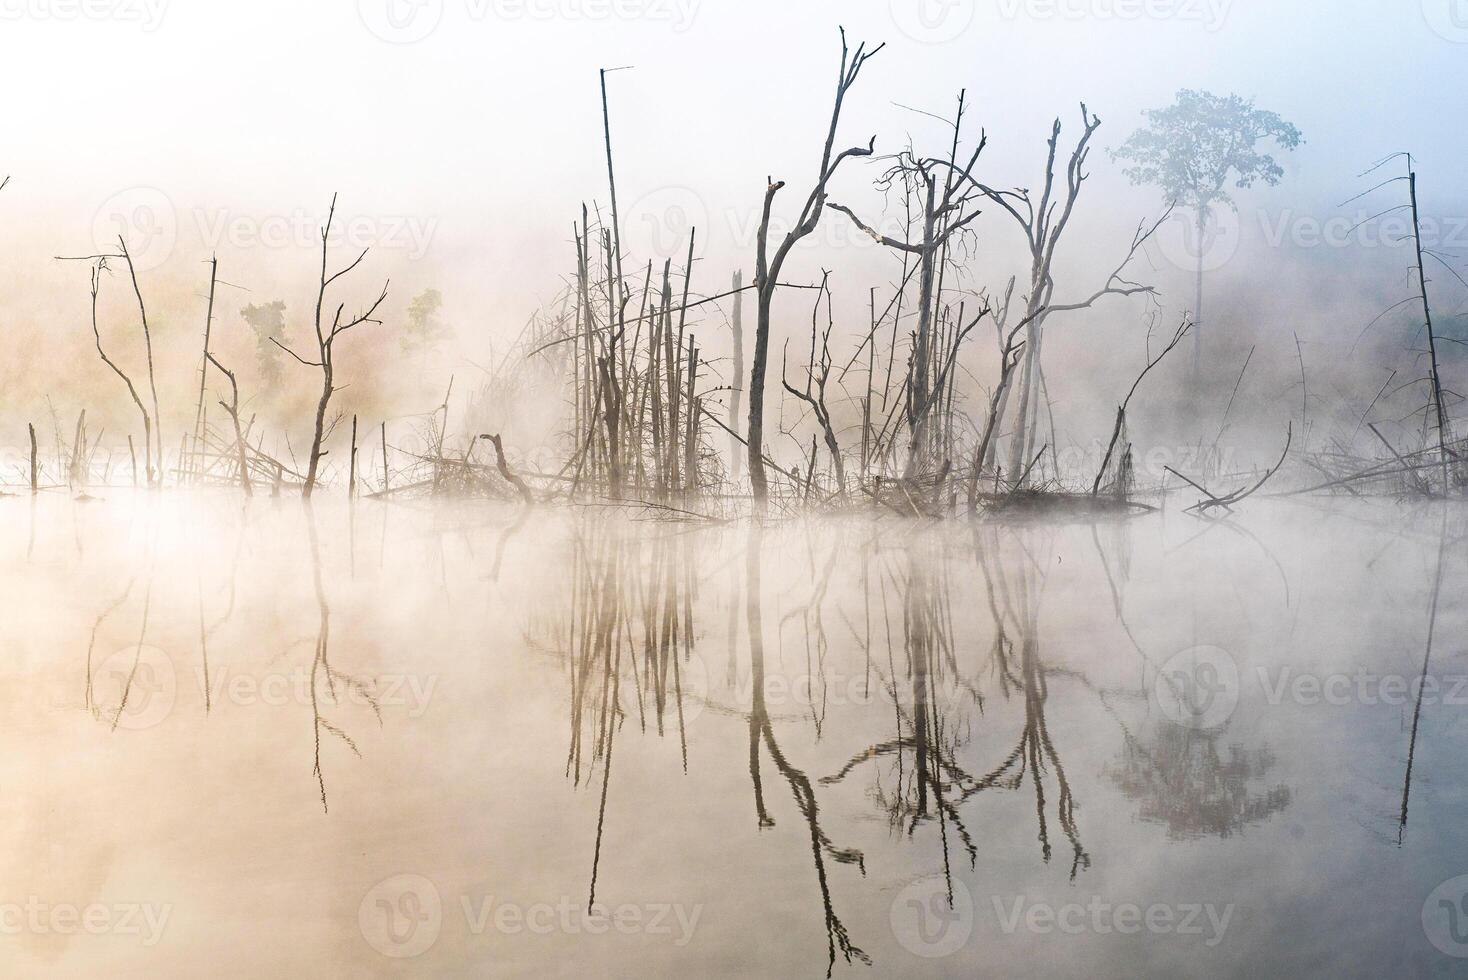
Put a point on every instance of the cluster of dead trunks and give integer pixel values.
(653, 420)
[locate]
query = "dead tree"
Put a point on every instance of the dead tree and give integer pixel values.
(1010, 349)
(1227, 500)
(504, 469)
(232, 408)
(768, 266)
(1043, 223)
(148, 348)
(817, 374)
(325, 346)
(200, 415)
(737, 392)
(1121, 409)
(132, 390)
(945, 191)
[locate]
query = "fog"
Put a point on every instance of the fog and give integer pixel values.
(463, 158)
(667, 487)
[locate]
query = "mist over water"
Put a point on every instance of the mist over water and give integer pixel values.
(857, 488)
(379, 740)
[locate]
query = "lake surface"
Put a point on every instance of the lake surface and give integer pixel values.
(250, 739)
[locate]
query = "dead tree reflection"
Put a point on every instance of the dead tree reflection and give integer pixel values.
(1437, 584)
(324, 678)
(761, 731)
(922, 761)
(89, 697)
(628, 597)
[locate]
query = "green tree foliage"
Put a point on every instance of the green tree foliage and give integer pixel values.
(268, 322)
(425, 331)
(1192, 148)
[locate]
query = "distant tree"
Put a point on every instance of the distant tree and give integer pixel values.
(1192, 148)
(425, 331)
(268, 322)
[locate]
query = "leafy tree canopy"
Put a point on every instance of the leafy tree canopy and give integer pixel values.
(1192, 148)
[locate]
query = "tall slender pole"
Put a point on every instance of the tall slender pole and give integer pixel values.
(1437, 389)
(615, 451)
(384, 458)
(352, 466)
(199, 411)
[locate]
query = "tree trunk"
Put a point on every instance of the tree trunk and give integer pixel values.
(319, 433)
(1198, 296)
(737, 394)
(757, 482)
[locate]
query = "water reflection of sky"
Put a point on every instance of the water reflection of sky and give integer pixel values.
(954, 751)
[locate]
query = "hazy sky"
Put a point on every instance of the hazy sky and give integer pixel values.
(463, 135)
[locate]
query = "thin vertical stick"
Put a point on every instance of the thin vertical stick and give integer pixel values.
(352, 466)
(738, 392)
(690, 462)
(32, 427)
(1437, 390)
(148, 346)
(384, 458)
(199, 416)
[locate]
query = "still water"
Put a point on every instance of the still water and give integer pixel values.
(256, 739)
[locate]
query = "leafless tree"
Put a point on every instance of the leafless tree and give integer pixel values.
(817, 374)
(768, 265)
(1043, 223)
(232, 407)
(101, 263)
(325, 346)
(945, 191)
